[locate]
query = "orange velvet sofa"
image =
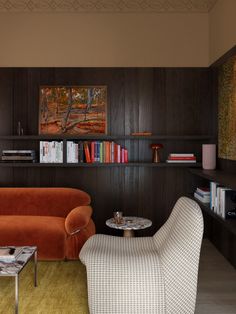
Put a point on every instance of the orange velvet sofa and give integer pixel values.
(56, 220)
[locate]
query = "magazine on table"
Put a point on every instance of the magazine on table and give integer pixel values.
(9, 254)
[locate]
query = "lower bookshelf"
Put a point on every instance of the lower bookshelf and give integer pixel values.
(230, 224)
(225, 178)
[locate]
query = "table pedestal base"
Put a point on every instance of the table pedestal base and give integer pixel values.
(128, 233)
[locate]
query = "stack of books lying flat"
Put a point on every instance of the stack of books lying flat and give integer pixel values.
(182, 157)
(18, 156)
(202, 194)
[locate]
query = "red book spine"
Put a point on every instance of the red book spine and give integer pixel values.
(115, 152)
(122, 155)
(126, 155)
(87, 153)
(92, 152)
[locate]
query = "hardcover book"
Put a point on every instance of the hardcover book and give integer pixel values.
(230, 204)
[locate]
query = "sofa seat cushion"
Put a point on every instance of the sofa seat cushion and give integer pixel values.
(47, 233)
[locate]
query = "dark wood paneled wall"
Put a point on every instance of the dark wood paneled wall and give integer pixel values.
(165, 101)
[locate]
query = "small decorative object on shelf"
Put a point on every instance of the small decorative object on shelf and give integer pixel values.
(209, 156)
(20, 130)
(141, 133)
(156, 156)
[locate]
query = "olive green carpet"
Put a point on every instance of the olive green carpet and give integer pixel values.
(61, 290)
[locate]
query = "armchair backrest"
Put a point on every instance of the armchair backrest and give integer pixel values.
(179, 243)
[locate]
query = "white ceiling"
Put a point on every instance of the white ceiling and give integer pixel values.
(108, 6)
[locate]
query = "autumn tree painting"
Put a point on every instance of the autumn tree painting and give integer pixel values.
(72, 110)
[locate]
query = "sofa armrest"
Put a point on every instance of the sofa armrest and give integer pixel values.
(77, 219)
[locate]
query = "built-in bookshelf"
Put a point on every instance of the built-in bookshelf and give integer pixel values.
(221, 232)
(107, 137)
(36, 139)
(92, 165)
(225, 178)
(230, 224)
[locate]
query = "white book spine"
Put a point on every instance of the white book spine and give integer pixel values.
(61, 151)
(54, 152)
(181, 161)
(41, 151)
(76, 152)
(181, 155)
(118, 153)
(69, 151)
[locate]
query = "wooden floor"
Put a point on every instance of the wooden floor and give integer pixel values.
(217, 283)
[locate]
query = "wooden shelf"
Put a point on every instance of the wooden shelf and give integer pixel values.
(106, 137)
(76, 165)
(222, 177)
(230, 224)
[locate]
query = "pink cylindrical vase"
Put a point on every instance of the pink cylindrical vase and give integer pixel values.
(209, 156)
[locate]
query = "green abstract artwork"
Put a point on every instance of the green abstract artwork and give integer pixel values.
(227, 110)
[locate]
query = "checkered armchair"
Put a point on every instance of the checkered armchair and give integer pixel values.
(148, 275)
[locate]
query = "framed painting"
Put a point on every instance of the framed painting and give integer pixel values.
(227, 110)
(75, 110)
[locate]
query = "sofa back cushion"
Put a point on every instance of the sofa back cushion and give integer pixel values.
(41, 201)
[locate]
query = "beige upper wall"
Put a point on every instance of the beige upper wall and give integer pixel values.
(222, 28)
(109, 40)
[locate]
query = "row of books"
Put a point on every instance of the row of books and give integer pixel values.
(96, 151)
(51, 152)
(77, 152)
(222, 200)
(181, 158)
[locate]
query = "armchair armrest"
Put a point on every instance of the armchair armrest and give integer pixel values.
(77, 219)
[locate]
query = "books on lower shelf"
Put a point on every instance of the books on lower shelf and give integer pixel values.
(96, 152)
(181, 158)
(202, 194)
(51, 152)
(222, 200)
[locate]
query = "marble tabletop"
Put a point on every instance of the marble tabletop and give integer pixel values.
(14, 266)
(130, 223)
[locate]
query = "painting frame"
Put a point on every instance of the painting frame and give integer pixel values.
(227, 109)
(73, 110)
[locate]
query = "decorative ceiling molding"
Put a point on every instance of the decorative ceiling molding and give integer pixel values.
(107, 6)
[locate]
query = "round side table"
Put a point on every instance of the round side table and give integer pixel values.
(129, 224)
